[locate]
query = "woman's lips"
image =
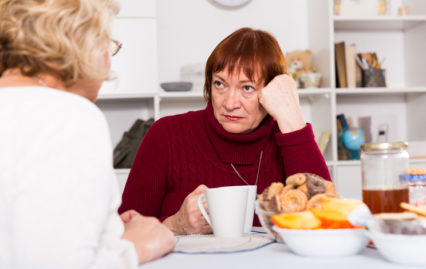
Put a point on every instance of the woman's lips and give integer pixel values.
(233, 118)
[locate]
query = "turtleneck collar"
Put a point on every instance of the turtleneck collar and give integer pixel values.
(237, 148)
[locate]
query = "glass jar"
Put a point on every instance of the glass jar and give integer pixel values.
(381, 166)
(416, 180)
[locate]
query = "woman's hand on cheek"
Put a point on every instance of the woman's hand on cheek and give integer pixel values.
(189, 220)
(281, 101)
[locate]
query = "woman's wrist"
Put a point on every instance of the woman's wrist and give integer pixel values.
(172, 224)
(287, 126)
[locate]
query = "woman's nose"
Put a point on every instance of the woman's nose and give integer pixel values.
(232, 100)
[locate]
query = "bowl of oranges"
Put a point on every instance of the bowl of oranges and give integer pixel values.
(309, 217)
(322, 232)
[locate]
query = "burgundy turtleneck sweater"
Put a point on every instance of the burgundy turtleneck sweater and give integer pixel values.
(180, 152)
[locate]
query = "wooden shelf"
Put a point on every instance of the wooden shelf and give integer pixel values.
(124, 96)
(379, 23)
(122, 171)
(188, 95)
(358, 162)
(342, 91)
(349, 163)
(178, 95)
(303, 92)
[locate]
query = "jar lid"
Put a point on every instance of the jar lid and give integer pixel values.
(384, 146)
(412, 178)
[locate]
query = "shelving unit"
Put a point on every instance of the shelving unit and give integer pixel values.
(397, 38)
(400, 39)
(379, 23)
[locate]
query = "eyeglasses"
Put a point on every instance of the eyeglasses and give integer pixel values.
(115, 47)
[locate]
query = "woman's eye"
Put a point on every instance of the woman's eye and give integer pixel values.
(248, 88)
(218, 84)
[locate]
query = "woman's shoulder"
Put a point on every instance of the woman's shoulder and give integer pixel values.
(49, 97)
(55, 107)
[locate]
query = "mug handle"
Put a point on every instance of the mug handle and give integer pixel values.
(203, 211)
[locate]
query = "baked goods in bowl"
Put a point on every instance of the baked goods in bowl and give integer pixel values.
(302, 191)
(315, 223)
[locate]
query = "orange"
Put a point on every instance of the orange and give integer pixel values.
(332, 219)
(298, 220)
(345, 206)
(334, 212)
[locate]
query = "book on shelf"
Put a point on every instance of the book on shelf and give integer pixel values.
(342, 126)
(317, 135)
(340, 55)
(348, 68)
(358, 74)
(325, 138)
(350, 54)
(322, 138)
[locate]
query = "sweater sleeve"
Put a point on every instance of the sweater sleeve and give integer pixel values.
(146, 185)
(300, 153)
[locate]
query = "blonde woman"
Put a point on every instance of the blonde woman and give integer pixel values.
(58, 194)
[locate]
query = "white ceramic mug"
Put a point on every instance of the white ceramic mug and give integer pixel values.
(251, 197)
(230, 210)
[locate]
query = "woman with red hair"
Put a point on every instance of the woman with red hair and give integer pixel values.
(251, 132)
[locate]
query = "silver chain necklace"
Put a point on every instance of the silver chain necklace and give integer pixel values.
(258, 169)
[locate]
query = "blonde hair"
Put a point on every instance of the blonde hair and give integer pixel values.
(60, 37)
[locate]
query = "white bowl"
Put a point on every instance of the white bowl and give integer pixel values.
(176, 86)
(324, 242)
(311, 80)
(399, 248)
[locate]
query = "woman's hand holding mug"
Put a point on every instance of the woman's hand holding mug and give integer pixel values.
(189, 220)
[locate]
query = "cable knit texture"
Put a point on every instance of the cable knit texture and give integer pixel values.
(183, 151)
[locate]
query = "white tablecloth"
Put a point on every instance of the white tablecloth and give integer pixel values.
(273, 256)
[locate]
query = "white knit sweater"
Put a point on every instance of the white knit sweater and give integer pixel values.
(58, 191)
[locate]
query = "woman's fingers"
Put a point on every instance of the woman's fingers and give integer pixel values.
(128, 215)
(281, 101)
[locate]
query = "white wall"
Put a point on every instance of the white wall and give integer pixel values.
(188, 30)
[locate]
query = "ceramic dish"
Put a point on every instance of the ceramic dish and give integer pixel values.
(178, 86)
(324, 242)
(399, 248)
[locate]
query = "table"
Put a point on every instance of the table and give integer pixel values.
(273, 256)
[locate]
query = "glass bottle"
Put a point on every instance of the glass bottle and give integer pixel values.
(381, 165)
(416, 180)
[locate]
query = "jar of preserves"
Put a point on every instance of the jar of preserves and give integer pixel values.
(381, 166)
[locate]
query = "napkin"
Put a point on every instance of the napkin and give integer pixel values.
(209, 244)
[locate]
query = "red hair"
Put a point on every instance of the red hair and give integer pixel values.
(255, 52)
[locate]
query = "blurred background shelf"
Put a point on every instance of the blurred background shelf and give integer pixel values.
(379, 23)
(126, 96)
(380, 90)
